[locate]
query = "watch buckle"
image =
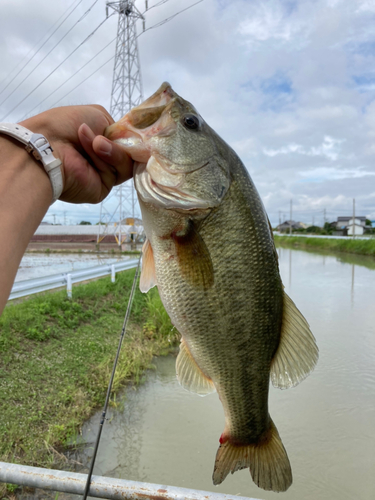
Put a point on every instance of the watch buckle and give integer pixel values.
(38, 145)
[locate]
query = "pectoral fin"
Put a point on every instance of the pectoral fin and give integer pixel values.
(148, 276)
(194, 258)
(190, 375)
(297, 353)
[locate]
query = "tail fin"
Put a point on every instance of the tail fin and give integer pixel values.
(268, 462)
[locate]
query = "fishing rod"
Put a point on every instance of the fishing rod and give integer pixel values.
(127, 314)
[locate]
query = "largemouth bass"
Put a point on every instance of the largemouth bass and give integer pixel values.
(210, 251)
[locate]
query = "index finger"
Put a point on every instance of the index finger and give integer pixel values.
(115, 155)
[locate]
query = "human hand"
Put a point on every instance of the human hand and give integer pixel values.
(92, 164)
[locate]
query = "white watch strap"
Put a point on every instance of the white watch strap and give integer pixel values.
(41, 149)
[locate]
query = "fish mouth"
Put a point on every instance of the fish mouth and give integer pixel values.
(169, 197)
(151, 118)
(143, 116)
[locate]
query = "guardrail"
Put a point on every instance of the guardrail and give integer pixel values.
(101, 487)
(325, 236)
(36, 285)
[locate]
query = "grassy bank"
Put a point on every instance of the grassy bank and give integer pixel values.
(360, 247)
(56, 356)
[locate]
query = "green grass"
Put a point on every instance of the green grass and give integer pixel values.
(56, 356)
(360, 247)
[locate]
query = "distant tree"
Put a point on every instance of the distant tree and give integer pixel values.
(314, 229)
(327, 228)
(84, 223)
(368, 222)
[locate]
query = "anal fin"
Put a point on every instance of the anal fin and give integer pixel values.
(148, 275)
(189, 375)
(297, 353)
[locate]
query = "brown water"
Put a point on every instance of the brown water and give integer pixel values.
(165, 435)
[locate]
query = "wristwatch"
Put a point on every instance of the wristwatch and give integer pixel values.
(41, 149)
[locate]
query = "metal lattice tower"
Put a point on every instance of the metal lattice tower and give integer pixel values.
(126, 93)
(127, 83)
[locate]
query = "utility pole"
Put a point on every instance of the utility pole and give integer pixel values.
(64, 217)
(324, 217)
(279, 217)
(54, 219)
(290, 226)
(353, 229)
(126, 93)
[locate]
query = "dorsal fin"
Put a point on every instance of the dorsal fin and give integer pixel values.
(148, 276)
(190, 375)
(297, 353)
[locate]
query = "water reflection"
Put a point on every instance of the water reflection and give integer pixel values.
(352, 289)
(167, 435)
(351, 259)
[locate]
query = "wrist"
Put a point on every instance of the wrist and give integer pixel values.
(19, 168)
(39, 147)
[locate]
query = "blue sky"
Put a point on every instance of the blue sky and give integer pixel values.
(289, 85)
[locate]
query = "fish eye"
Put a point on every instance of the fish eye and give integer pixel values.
(191, 122)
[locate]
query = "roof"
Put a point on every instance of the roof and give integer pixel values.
(342, 219)
(294, 224)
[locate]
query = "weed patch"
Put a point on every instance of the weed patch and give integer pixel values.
(360, 247)
(56, 357)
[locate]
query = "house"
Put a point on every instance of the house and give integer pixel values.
(285, 226)
(346, 225)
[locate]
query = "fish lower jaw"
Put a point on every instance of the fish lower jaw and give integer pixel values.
(164, 196)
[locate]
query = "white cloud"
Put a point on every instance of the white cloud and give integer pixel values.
(321, 174)
(212, 54)
(270, 21)
(329, 149)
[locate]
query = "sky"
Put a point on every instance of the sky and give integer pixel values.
(290, 85)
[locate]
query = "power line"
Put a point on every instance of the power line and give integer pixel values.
(83, 81)
(48, 53)
(67, 80)
(57, 67)
(170, 18)
(93, 73)
(36, 52)
(156, 5)
(109, 60)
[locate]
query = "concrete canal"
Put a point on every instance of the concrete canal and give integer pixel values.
(162, 434)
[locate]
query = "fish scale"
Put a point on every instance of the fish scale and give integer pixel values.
(237, 325)
(210, 252)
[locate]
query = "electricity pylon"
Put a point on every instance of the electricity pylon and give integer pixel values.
(126, 83)
(126, 93)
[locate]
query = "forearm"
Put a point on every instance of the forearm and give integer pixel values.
(91, 166)
(25, 195)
